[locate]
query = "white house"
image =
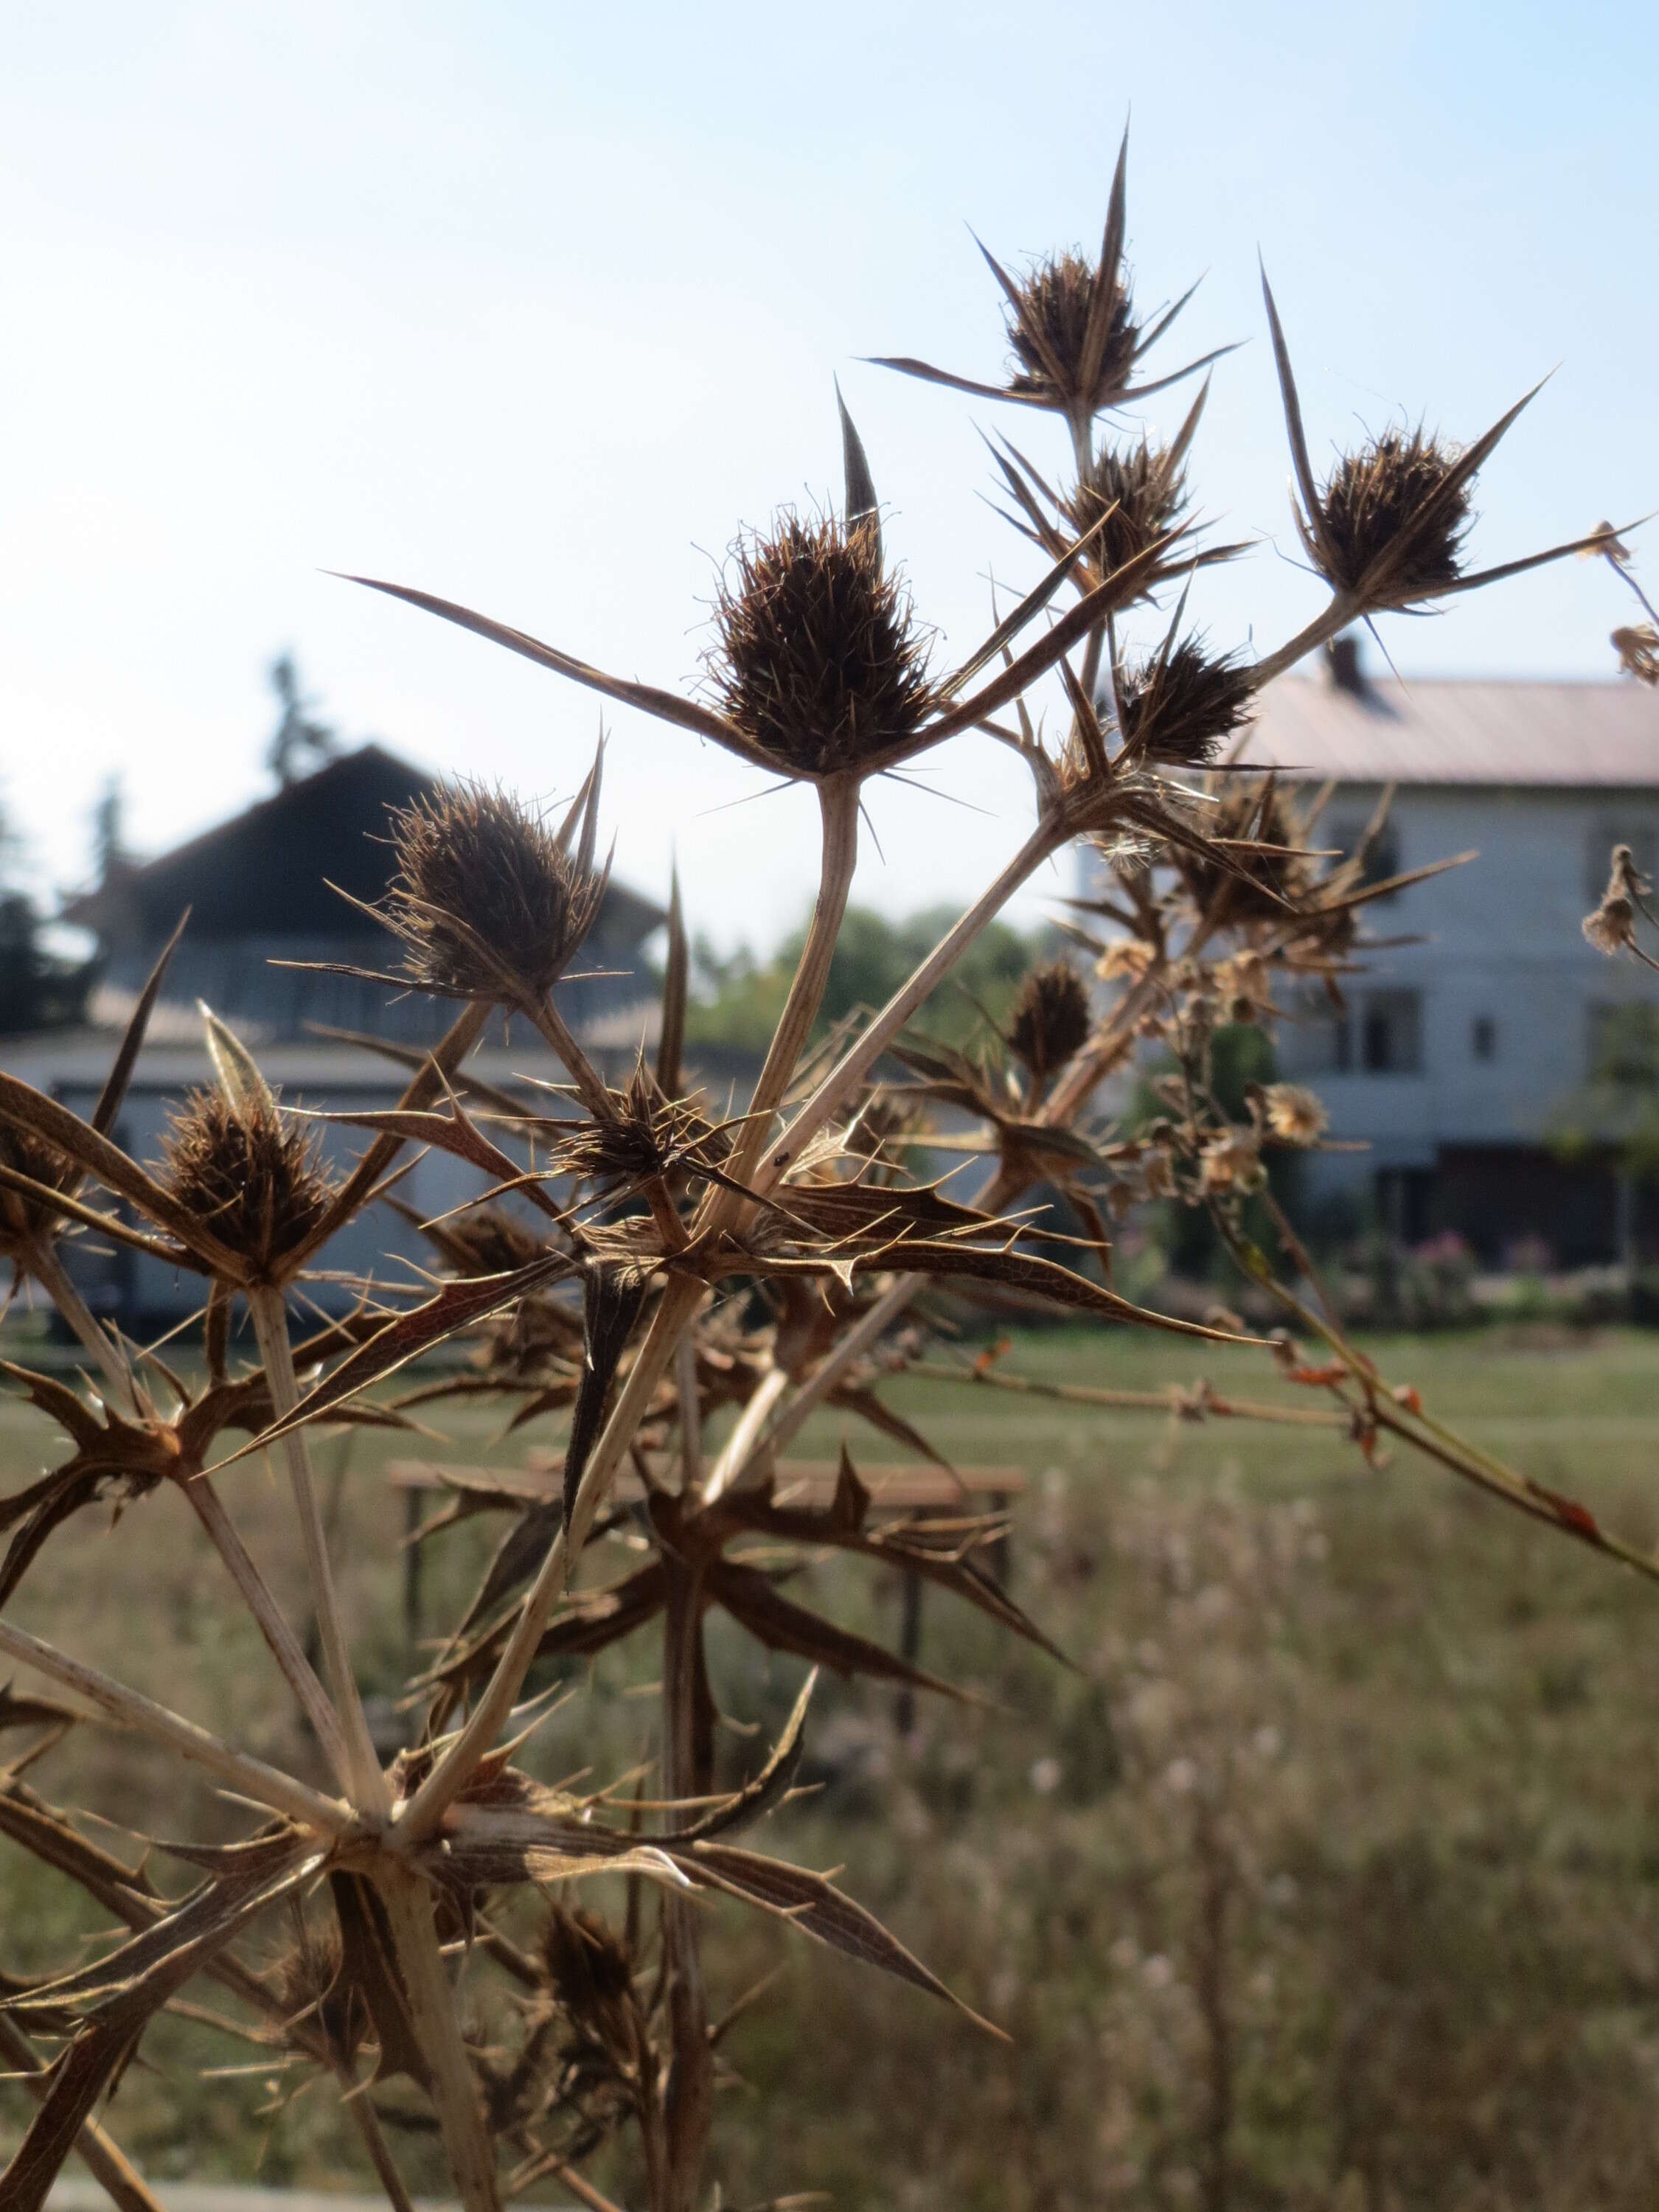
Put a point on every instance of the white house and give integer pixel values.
(1458, 1051)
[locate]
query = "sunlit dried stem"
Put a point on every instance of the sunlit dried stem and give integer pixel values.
(368, 1783)
(432, 2009)
(130, 1709)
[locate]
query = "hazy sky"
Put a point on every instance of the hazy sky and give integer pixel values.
(533, 306)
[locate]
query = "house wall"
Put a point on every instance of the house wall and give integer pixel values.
(1498, 941)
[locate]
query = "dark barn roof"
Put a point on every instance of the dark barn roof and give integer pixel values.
(259, 890)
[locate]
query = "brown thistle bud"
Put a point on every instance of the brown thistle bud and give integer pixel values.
(1050, 1019)
(22, 1217)
(1179, 707)
(1048, 335)
(1638, 648)
(1136, 493)
(1392, 519)
(490, 899)
(818, 659)
(257, 1186)
(1292, 1114)
(1251, 886)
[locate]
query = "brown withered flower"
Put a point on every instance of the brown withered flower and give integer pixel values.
(1292, 1114)
(1611, 927)
(1387, 529)
(1638, 648)
(1051, 1018)
(256, 1183)
(489, 898)
(25, 1219)
(1267, 873)
(1135, 495)
(1180, 706)
(1075, 339)
(1393, 518)
(818, 661)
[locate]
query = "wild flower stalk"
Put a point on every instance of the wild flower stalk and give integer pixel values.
(681, 1289)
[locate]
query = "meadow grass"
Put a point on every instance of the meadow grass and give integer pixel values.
(1329, 1876)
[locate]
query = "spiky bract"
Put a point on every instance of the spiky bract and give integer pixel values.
(1051, 1017)
(1048, 331)
(256, 1183)
(1182, 708)
(488, 899)
(1394, 520)
(818, 659)
(1136, 493)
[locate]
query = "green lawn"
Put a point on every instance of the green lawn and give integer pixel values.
(1328, 1877)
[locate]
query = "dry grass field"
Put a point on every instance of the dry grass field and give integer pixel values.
(1329, 1878)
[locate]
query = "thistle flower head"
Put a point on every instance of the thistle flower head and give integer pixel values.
(1050, 1019)
(256, 1184)
(489, 897)
(1136, 493)
(21, 1217)
(1048, 332)
(817, 659)
(1239, 886)
(1179, 707)
(1611, 927)
(1232, 1161)
(1292, 1114)
(1638, 648)
(1392, 518)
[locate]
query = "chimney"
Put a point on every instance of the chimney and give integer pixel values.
(1342, 660)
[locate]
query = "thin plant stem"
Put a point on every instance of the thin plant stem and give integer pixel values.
(691, 2099)
(408, 1903)
(685, 1385)
(856, 1063)
(738, 1449)
(48, 1270)
(274, 1625)
(746, 1445)
(368, 1783)
(205, 1502)
(839, 800)
(1170, 1401)
(130, 1709)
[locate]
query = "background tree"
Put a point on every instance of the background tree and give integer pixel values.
(299, 743)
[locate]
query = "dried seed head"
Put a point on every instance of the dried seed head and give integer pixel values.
(648, 1134)
(487, 1242)
(1240, 886)
(1141, 493)
(489, 898)
(1638, 649)
(1181, 709)
(1231, 1161)
(1047, 330)
(1295, 1116)
(589, 1971)
(1395, 519)
(257, 1186)
(1611, 929)
(1051, 1018)
(817, 658)
(22, 1217)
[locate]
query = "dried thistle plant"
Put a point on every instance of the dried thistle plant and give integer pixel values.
(671, 1290)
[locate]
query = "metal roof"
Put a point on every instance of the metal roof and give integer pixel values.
(1571, 735)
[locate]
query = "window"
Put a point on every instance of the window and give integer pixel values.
(1391, 1033)
(1483, 1037)
(1607, 831)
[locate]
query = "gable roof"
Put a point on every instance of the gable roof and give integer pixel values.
(1544, 735)
(266, 872)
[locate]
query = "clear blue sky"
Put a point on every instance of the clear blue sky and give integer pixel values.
(533, 305)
